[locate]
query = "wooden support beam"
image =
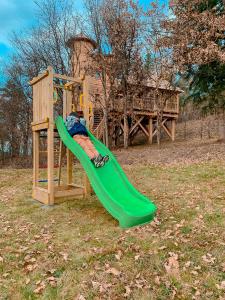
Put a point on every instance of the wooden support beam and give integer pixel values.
(86, 103)
(64, 77)
(144, 130)
(76, 185)
(136, 124)
(69, 166)
(135, 131)
(150, 130)
(60, 161)
(173, 129)
(35, 158)
(87, 187)
(43, 124)
(178, 103)
(121, 125)
(39, 77)
(71, 192)
(167, 130)
(154, 132)
(50, 137)
(41, 194)
(68, 84)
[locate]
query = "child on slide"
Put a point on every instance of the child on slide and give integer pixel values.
(76, 128)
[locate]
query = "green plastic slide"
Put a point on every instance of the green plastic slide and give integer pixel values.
(110, 183)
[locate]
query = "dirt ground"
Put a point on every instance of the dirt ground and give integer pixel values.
(179, 152)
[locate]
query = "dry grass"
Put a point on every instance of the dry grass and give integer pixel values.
(77, 251)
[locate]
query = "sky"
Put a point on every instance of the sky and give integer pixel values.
(14, 15)
(19, 15)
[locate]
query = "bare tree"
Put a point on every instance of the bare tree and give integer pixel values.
(16, 113)
(45, 44)
(116, 26)
(161, 75)
(42, 45)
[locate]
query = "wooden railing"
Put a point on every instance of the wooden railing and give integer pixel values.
(171, 106)
(98, 131)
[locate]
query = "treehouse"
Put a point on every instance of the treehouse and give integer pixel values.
(142, 110)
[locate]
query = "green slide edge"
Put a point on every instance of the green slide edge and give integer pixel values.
(111, 185)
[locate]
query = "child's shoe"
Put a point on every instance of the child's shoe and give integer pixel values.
(104, 158)
(98, 162)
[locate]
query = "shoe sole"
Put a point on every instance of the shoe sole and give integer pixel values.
(100, 164)
(105, 159)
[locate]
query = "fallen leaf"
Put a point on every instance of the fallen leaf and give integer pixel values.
(40, 288)
(221, 286)
(30, 268)
(157, 280)
(80, 297)
(162, 248)
(187, 264)
(208, 258)
(118, 255)
(194, 273)
(64, 255)
(172, 266)
(95, 284)
(223, 267)
(113, 271)
(128, 291)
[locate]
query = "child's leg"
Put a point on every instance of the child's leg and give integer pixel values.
(87, 145)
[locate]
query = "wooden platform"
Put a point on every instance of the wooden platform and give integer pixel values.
(61, 194)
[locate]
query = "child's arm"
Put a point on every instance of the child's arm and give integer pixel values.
(70, 121)
(83, 121)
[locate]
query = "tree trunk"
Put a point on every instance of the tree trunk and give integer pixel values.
(126, 131)
(159, 126)
(106, 125)
(222, 128)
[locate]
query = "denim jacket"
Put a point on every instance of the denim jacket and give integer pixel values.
(74, 126)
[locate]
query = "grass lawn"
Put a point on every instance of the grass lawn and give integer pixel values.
(76, 250)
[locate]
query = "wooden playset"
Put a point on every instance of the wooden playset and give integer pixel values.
(46, 105)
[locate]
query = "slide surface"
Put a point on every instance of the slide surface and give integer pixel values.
(111, 185)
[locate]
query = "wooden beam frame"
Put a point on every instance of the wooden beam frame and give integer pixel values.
(43, 124)
(68, 78)
(166, 129)
(136, 124)
(39, 77)
(36, 139)
(150, 130)
(173, 129)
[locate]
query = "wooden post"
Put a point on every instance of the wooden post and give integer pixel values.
(87, 185)
(36, 137)
(60, 161)
(50, 135)
(67, 108)
(150, 130)
(173, 128)
(69, 155)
